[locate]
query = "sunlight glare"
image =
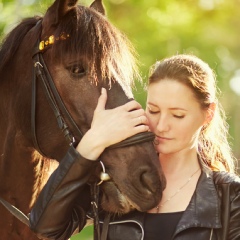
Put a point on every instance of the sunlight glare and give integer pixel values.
(235, 82)
(28, 2)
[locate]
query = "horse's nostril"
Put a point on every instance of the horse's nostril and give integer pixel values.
(147, 180)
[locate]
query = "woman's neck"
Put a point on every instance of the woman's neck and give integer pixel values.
(179, 163)
(182, 171)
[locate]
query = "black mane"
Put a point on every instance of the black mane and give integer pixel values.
(13, 40)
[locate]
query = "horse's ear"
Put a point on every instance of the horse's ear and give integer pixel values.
(54, 14)
(98, 6)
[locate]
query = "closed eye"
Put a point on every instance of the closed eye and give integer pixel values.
(152, 112)
(178, 116)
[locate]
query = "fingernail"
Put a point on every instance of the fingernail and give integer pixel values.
(102, 90)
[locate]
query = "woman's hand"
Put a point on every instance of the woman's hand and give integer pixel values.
(111, 126)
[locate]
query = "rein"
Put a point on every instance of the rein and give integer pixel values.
(41, 73)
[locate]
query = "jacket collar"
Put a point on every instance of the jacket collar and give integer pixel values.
(203, 209)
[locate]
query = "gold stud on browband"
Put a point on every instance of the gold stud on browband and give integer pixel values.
(51, 40)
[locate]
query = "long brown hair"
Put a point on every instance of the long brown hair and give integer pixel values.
(213, 146)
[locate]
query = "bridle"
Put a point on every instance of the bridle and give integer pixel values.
(41, 73)
(60, 111)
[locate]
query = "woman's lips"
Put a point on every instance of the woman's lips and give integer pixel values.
(159, 139)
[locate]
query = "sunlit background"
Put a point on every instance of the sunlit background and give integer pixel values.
(207, 28)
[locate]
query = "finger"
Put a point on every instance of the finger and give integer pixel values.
(137, 113)
(138, 117)
(102, 100)
(141, 120)
(141, 128)
(132, 105)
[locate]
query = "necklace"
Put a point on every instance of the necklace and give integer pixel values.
(178, 190)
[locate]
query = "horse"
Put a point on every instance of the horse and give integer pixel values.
(80, 51)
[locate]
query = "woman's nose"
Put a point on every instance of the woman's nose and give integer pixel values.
(163, 124)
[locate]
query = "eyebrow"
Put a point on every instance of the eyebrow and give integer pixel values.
(173, 108)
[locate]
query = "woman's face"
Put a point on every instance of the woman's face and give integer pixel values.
(174, 116)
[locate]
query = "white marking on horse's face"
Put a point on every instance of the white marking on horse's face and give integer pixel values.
(115, 201)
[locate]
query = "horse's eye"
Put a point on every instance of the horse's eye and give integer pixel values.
(77, 71)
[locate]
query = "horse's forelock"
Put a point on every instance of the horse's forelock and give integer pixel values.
(110, 53)
(100, 43)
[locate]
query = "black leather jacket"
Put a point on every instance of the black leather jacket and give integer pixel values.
(213, 212)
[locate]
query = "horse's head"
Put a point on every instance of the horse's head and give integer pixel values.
(83, 53)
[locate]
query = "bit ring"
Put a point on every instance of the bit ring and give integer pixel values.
(103, 175)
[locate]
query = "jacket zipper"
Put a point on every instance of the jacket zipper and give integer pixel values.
(127, 221)
(211, 234)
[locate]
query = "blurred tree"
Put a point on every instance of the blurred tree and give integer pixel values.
(157, 29)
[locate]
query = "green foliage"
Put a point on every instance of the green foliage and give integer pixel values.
(85, 234)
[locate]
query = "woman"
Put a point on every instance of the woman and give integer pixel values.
(202, 197)
(191, 138)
